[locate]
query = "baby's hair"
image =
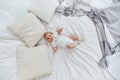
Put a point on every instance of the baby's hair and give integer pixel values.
(46, 34)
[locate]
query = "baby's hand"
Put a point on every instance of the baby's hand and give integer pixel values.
(59, 30)
(54, 49)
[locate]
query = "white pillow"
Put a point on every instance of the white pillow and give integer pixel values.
(29, 29)
(33, 62)
(44, 9)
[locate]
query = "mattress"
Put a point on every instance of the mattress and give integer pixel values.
(90, 49)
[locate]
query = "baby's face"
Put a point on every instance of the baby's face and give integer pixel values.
(49, 37)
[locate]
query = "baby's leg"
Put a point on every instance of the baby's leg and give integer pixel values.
(74, 37)
(71, 46)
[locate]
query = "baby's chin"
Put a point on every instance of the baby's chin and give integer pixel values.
(50, 41)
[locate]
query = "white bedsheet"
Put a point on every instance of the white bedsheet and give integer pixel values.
(10, 11)
(8, 66)
(66, 66)
(79, 63)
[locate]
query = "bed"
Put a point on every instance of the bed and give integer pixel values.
(78, 64)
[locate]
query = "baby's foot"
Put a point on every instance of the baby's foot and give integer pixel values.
(81, 38)
(77, 42)
(74, 37)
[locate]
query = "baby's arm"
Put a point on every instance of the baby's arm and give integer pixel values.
(59, 30)
(54, 46)
(54, 49)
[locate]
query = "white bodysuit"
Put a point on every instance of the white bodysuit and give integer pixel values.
(61, 41)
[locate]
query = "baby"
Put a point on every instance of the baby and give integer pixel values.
(62, 41)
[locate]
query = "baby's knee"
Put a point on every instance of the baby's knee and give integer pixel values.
(71, 46)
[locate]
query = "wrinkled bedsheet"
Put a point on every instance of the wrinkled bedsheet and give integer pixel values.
(106, 19)
(77, 63)
(66, 66)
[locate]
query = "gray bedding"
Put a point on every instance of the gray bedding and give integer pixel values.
(109, 17)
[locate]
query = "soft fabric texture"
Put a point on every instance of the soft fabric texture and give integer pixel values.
(43, 41)
(101, 4)
(44, 9)
(64, 66)
(29, 29)
(79, 63)
(32, 62)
